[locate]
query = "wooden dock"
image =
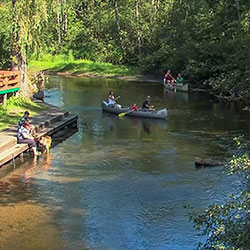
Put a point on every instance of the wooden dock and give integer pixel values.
(46, 123)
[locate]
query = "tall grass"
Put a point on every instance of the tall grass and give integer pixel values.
(67, 63)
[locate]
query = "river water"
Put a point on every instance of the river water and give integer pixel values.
(121, 183)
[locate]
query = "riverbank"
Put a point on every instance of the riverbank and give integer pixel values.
(61, 64)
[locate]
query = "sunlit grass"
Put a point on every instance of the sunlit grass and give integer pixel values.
(62, 63)
(14, 110)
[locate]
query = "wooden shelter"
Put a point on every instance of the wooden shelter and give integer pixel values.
(9, 83)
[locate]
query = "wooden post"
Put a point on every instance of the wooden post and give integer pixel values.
(4, 99)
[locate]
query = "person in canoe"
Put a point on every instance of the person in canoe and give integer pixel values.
(112, 99)
(134, 107)
(169, 79)
(146, 105)
(179, 79)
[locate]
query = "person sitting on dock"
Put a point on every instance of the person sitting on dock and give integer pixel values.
(113, 99)
(25, 118)
(146, 105)
(24, 136)
(179, 80)
(169, 79)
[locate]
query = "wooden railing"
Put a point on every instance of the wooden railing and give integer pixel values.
(9, 82)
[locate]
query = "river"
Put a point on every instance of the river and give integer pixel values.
(121, 183)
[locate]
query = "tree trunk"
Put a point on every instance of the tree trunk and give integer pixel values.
(22, 66)
(58, 20)
(118, 23)
(137, 26)
(19, 61)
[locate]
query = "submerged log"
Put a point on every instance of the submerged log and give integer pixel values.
(207, 163)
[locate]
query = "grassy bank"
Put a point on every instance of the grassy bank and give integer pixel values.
(13, 111)
(62, 63)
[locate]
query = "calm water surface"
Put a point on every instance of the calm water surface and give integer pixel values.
(121, 183)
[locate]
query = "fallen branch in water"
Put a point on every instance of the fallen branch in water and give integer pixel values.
(207, 163)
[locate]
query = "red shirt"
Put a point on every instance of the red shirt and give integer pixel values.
(169, 77)
(134, 107)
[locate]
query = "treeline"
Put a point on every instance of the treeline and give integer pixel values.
(207, 40)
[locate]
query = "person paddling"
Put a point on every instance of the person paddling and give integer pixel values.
(169, 79)
(113, 99)
(179, 79)
(146, 105)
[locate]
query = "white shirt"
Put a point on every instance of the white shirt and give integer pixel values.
(21, 131)
(111, 101)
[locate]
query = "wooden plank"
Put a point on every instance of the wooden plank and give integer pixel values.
(12, 153)
(13, 82)
(9, 72)
(6, 142)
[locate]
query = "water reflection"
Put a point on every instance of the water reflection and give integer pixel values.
(146, 124)
(181, 98)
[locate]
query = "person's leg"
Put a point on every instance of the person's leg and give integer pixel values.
(31, 144)
(35, 152)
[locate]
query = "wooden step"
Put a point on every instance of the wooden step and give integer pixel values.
(6, 142)
(42, 121)
(11, 153)
(52, 128)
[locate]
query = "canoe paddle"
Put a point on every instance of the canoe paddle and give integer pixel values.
(123, 114)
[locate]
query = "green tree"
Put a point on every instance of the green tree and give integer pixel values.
(227, 226)
(4, 38)
(28, 19)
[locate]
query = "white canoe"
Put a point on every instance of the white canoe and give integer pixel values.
(158, 114)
